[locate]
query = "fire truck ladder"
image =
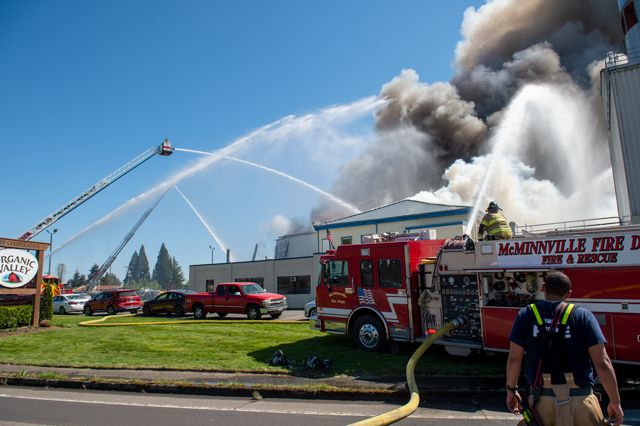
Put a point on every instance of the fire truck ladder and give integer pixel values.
(95, 280)
(165, 149)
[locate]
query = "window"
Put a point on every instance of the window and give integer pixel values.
(337, 273)
(346, 240)
(210, 285)
(630, 17)
(233, 290)
(298, 284)
(390, 273)
(366, 273)
(326, 245)
(220, 291)
(257, 280)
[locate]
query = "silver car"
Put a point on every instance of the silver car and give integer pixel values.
(67, 303)
(310, 309)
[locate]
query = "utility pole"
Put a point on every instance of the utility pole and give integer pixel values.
(212, 248)
(51, 246)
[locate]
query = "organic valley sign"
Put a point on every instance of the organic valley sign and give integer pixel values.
(17, 268)
(610, 250)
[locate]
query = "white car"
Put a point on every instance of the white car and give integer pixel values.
(67, 303)
(310, 309)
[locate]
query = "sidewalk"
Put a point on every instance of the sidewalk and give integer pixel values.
(198, 382)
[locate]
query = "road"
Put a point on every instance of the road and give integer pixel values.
(31, 406)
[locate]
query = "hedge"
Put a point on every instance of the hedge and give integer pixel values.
(46, 303)
(15, 316)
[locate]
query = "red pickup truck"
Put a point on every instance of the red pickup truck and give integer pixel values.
(238, 298)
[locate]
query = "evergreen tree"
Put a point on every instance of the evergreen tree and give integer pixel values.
(110, 279)
(93, 272)
(177, 277)
(162, 272)
(132, 268)
(75, 280)
(143, 265)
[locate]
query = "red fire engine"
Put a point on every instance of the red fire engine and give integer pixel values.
(406, 290)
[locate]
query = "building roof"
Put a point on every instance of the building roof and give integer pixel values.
(406, 209)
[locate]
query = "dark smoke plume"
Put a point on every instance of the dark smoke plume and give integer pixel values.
(506, 45)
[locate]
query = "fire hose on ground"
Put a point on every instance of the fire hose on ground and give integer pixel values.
(407, 409)
(101, 322)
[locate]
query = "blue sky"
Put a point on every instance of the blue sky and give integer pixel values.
(86, 86)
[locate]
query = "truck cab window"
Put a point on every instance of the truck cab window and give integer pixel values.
(390, 273)
(338, 273)
(220, 291)
(366, 273)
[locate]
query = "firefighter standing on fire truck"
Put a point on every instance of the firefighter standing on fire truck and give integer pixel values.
(494, 224)
(561, 343)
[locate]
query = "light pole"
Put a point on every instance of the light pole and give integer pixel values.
(51, 246)
(212, 249)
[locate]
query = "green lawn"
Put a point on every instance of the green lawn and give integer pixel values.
(218, 346)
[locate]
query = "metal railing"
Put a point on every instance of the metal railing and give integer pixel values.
(631, 56)
(569, 225)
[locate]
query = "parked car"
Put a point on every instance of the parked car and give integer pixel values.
(172, 302)
(112, 302)
(310, 309)
(238, 298)
(148, 294)
(67, 303)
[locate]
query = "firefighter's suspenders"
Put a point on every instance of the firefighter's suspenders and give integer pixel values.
(561, 316)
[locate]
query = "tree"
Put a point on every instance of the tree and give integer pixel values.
(132, 268)
(93, 272)
(110, 279)
(61, 269)
(177, 277)
(143, 265)
(163, 271)
(77, 280)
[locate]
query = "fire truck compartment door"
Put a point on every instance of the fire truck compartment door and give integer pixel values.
(496, 326)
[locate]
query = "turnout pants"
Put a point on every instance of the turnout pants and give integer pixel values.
(559, 408)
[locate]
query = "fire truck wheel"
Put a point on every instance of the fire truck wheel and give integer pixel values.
(253, 312)
(369, 334)
(199, 312)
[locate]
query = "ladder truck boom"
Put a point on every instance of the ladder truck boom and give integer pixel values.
(95, 280)
(165, 149)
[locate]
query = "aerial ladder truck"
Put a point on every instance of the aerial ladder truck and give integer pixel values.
(165, 149)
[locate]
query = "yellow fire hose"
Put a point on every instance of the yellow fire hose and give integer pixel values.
(407, 409)
(101, 322)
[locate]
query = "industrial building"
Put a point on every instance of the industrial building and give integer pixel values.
(295, 267)
(621, 97)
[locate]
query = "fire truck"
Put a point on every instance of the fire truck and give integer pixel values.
(403, 291)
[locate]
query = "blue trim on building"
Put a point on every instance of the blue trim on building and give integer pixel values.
(435, 225)
(440, 213)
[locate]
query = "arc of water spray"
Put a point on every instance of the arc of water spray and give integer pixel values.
(217, 239)
(325, 194)
(284, 125)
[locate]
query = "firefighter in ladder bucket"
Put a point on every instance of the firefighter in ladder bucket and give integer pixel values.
(561, 345)
(494, 224)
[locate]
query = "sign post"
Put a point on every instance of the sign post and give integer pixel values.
(18, 267)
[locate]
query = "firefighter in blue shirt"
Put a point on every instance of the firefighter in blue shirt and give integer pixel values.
(561, 345)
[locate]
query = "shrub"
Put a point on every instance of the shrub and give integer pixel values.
(46, 303)
(15, 316)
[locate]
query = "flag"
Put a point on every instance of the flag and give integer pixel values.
(330, 239)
